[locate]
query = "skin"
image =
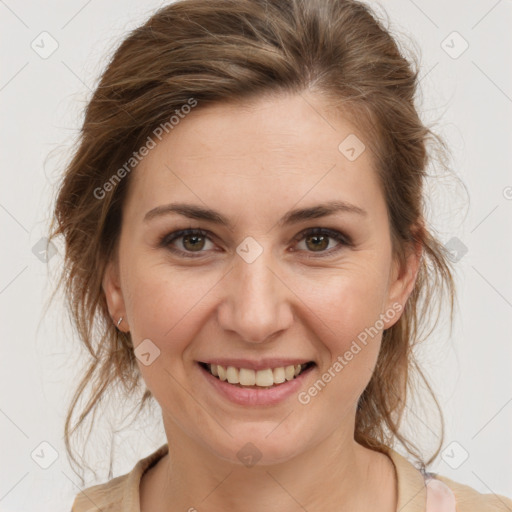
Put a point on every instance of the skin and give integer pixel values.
(253, 162)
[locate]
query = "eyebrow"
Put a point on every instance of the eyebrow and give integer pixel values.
(292, 217)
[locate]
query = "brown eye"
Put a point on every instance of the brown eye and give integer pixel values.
(317, 242)
(193, 242)
(188, 242)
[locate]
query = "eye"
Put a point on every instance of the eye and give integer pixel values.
(317, 240)
(190, 240)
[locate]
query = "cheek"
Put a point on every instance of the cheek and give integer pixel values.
(345, 315)
(345, 303)
(165, 304)
(165, 307)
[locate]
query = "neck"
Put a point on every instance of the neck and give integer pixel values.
(337, 474)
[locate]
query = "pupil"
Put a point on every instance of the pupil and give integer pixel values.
(195, 238)
(320, 245)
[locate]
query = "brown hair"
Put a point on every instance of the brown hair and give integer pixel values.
(215, 51)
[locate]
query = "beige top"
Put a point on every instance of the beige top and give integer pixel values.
(121, 494)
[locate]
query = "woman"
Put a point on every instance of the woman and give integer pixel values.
(243, 220)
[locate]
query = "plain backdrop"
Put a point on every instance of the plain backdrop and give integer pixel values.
(466, 81)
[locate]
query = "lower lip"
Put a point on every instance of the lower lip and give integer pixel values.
(253, 396)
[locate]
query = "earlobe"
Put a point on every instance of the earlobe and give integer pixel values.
(113, 294)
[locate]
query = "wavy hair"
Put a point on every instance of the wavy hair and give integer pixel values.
(217, 51)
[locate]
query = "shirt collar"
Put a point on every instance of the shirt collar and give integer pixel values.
(412, 494)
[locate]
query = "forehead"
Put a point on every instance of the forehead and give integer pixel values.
(257, 156)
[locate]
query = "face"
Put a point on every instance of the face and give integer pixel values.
(271, 276)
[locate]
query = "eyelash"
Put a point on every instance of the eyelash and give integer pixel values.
(344, 240)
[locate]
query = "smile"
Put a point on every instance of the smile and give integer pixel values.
(249, 378)
(267, 383)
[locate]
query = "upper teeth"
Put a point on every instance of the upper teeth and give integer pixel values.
(248, 377)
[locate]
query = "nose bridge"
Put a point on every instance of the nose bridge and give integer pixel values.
(257, 305)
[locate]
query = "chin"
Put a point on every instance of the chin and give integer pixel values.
(255, 446)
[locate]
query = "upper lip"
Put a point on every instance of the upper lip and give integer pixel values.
(261, 364)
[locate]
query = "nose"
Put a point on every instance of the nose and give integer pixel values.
(256, 302)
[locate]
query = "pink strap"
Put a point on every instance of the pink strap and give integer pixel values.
(440, 497)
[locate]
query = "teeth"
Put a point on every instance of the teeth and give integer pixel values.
(264, 378)
(232, 375)
(248, 377)
(221, 371)
(289, 372)
(279, 375)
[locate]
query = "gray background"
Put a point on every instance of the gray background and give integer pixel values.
(41, 102)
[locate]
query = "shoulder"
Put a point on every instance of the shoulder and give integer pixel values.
(470, 500)
(107, 496)
(120, 493)
(412, 491)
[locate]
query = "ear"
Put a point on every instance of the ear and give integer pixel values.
(401, 284)
(111, 285)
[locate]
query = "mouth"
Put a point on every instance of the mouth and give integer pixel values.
(248, 378)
